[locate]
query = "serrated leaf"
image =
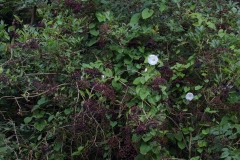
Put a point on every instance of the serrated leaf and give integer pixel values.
(146, 13)
(135, 18)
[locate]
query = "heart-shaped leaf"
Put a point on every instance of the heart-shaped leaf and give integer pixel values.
(146, 13)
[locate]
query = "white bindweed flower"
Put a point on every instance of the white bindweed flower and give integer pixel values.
(145, 70)
(189, 96)
(152, 59)
(103, 77)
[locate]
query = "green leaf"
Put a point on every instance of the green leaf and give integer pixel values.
(27, 120)
(116, 85)
(100, 17)
(67, 111)
(136, 137)
(80, 148)
(137, 81)
(135, 18)
(146, 13)
(186, 89)
(221, 33)
(40, 125)
(198, 87)
(57, 145)
(202, 143)
(94, 32)
(162, 7)
(50, 118)
(42, 101)
(38, 114)
(92, 41)
(207, 110)
(1, 69)
(224, 154)
(147, 137)
(145, 148)
(144, 93)
(205, 132)
(195, 158)
(211, 25)
(178, 136)
(113, 123)
(181, 145)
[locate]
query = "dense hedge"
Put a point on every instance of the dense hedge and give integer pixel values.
(107, 79)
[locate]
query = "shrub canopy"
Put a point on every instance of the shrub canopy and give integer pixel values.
(107, 79)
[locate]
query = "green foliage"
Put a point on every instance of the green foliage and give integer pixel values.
(79, 83)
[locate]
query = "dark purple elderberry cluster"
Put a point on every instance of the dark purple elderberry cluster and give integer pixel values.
(126, 133)
(83, 84)
(236, 107)
(158, 81)
(113, 142)
(92, 107)
(141, 129)
(13, 34)
(178, 81)
(166, 72)
(127, 152)
(81, 127)
(79, 123)
(60, 99)
(102, 42)
(133, 43)
(32, 44)
(47, 85)
(75, 6)
(93, 72)
(134, 115)
(104, 90)
(103, 29)
(41, 24)
(45, 149)
(151, 43)
(76, 75)
(198, 64)
(4, 79)
(152, 124)
(38, 85)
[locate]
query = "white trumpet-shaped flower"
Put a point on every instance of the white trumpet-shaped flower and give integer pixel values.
(189, 96)
(152, 59)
